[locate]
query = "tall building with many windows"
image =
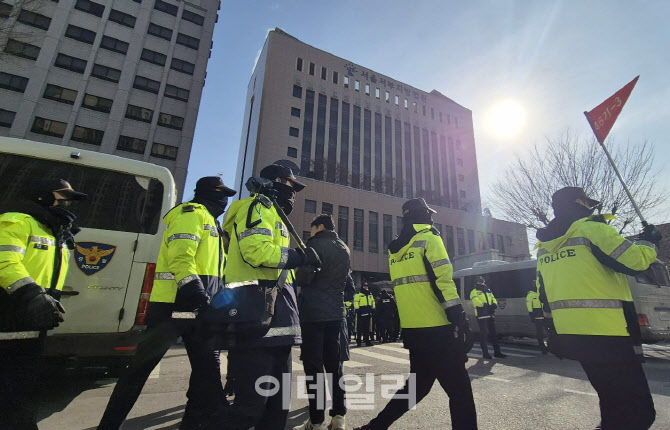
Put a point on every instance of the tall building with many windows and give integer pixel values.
(365, 143)
(116, 76)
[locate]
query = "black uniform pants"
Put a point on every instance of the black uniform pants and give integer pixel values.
(625, 399)
(439, 360)
(321, 349)
(259, 403)
(487, 331)
(205, 391)
(20, 379)
(539, 333)
(363, 328)
(385, 328)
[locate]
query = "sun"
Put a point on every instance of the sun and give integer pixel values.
(506, 118)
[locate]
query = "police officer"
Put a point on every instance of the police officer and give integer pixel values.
(385, 315)
(435, 329)
(189, 268)
(485, 305)
(582, 264)
(364, 305)
(34, 239)
(536, 316)
(259, 252)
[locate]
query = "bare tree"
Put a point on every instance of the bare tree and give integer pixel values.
(523, 195)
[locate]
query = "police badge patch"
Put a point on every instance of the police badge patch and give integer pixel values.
(502, 303)
(92, 257)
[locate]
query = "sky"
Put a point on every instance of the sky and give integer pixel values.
(552, 60)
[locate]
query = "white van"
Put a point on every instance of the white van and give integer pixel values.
(112, 268)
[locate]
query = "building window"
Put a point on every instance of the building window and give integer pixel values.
(449, 235)
(482, 241)
(295, 112)
(448, 119)
(80, 34)
(297, 91)
(115, 45)
(166, 7)
(146, 84)
(122, 18)
(459, 161)
(461, 178)
(60, 94)
(356, 149)
(153, 57)
(312, 66)
(327, 208)
(346, 82)
(34, 19)
(388, 231)
(456, 122)
(432, 113)
(170, 121)
(501, 244)
(158, 31)
(460, 236)
(331, 163)
(343, 169)
(492, 241)
(70, 63)
(298, 64)
(336, 77)
(462, 194)
(292, 131)
(310, 206)
(397, 100)
(377, 93)
(306, 148)
(5, 10)
(292, 152)
(131, 144)
(176, 93)
(379, 180)
(139, 113)
(398, 224)
(367, 89)
(100, 104)
(168, 152)
(319, 165)
(90, 7)
(187, 15)
(440, 116)
(357, 85)
(48, 127)
(87, 135)
(423, 108)
(406, 104)
(343, 223)
(6, 118)
(367, 149)
(188, 41)
(358, 229)
(414, 105)
(20, 49)
(471, 241)
(182, 66)
(324, 73)
(373, 234)
(106, 73)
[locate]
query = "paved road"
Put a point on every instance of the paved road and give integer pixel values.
(527, 390)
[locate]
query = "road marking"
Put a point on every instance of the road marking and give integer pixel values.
(525, 351)
(580, 392)
(352, 363)
(392, 348)
(223, 358)
(380, 356)
(504, 349)
(493, 378)
(156, 373)
(511, 354)
(298, 366)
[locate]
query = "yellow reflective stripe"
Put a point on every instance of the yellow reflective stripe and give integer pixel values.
(42, 240)
(164, 276)
(410, 280)
(186, 280)
(284, 331)
(419, 244)
(20, 283)
(451, 303)
(283, 259)
(621, 249)
(438, 263)
(586, 303)
(574, 241)
(542, 252)
(11, 248)
(183, 236)
(240, 284)
(252, 231)
(212, 230)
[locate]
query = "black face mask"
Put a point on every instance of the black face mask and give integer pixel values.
(285, 196)
(418, 217)
(573, 210)
(214, 201)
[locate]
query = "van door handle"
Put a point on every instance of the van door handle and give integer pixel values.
(68, 293)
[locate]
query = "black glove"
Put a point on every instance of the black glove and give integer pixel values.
(309, 257)
(651, 234)
(456, 316)
(37, 309)
(191, 297)
(494, 306)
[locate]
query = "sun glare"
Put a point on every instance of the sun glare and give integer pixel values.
(506, 118)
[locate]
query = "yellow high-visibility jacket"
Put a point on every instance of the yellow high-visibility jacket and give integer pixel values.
(27, 253)
(191, 248)
(483, 301)
(364, 304)
(418, 304)
(585, 296)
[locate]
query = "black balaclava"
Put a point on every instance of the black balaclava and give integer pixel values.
(285, 196)
(215, 201)
(572, 210)
(421, 216)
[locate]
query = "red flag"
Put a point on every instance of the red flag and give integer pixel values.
(602, 117)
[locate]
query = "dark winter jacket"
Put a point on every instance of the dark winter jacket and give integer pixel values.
(322, 293)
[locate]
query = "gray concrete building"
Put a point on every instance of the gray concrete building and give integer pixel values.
(364, 143)
(122, 77)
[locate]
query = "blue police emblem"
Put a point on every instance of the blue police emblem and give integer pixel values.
(502, 303)
(92, 257)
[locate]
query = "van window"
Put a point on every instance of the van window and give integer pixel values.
(505, 284)
(457, 281)
(656, 274)
(116, 201)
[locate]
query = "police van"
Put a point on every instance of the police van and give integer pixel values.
(111, 271)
